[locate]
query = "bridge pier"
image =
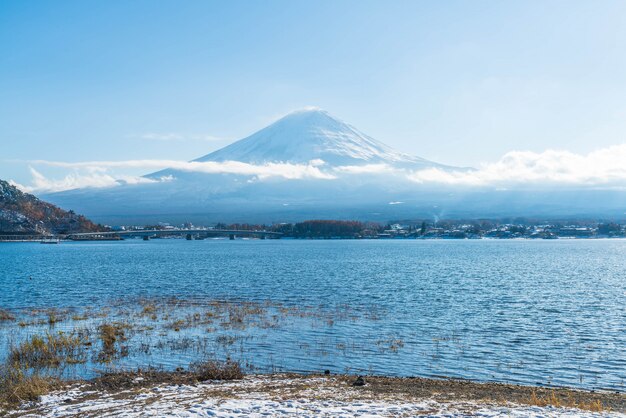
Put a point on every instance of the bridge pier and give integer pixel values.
(231, 237)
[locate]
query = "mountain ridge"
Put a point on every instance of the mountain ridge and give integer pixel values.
(23, 213)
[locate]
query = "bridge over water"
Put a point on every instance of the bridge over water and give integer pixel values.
(146, 233)
(25, 238)
(189, 233)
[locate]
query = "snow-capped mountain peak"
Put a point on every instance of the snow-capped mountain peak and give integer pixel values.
(310, 134)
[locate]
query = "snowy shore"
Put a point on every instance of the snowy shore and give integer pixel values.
(284, 395)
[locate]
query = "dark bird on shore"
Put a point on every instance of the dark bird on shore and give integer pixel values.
(359, 381)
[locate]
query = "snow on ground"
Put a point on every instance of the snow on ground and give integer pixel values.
(262, 397)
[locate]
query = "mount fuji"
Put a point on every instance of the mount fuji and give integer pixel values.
(311, 165)
(311, 137)
(312, 134)
(306, 164)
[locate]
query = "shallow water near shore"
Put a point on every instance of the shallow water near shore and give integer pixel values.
(531, 312)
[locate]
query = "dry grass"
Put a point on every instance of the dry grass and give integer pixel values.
(149, 309)
(6, 315)
(18, 386)
(53, 318)
(190, 320)
(108, 335)
(240, 315)
(595, 406)
(548, 400)
(107, 341)
(111, 335)
(226, 340)
(214, 370)
(51, 350)
(391, 344)
(552, 399)
(179, 323)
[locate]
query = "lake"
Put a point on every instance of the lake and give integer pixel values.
(548, 312)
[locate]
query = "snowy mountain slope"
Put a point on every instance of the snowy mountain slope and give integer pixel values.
(307, 135)
(311, 135)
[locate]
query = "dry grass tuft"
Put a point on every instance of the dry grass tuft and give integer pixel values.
(214, 370)
(50, 350)
(595, 406)
(53, 318)
(6, 315)
(178, 324)
(111, 335)
(548, 400)
(17, 386)
(391, 344)
(149, 309)
(552, 399)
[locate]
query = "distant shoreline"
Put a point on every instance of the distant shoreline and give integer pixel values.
(340, 239)
(340, 229)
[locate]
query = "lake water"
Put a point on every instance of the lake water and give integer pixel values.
(534, 312)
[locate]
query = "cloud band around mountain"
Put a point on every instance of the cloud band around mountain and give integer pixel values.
(96, 173)
(603, 167)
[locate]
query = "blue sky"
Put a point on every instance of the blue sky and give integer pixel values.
(459, 82)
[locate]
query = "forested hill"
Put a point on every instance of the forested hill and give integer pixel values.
(23, 213)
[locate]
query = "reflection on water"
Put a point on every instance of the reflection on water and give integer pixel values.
(535, 312)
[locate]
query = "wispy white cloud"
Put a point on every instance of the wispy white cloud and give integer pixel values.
(605, 166)
(286, 170)
(263, 171)
(97, 173)
(77, 180)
